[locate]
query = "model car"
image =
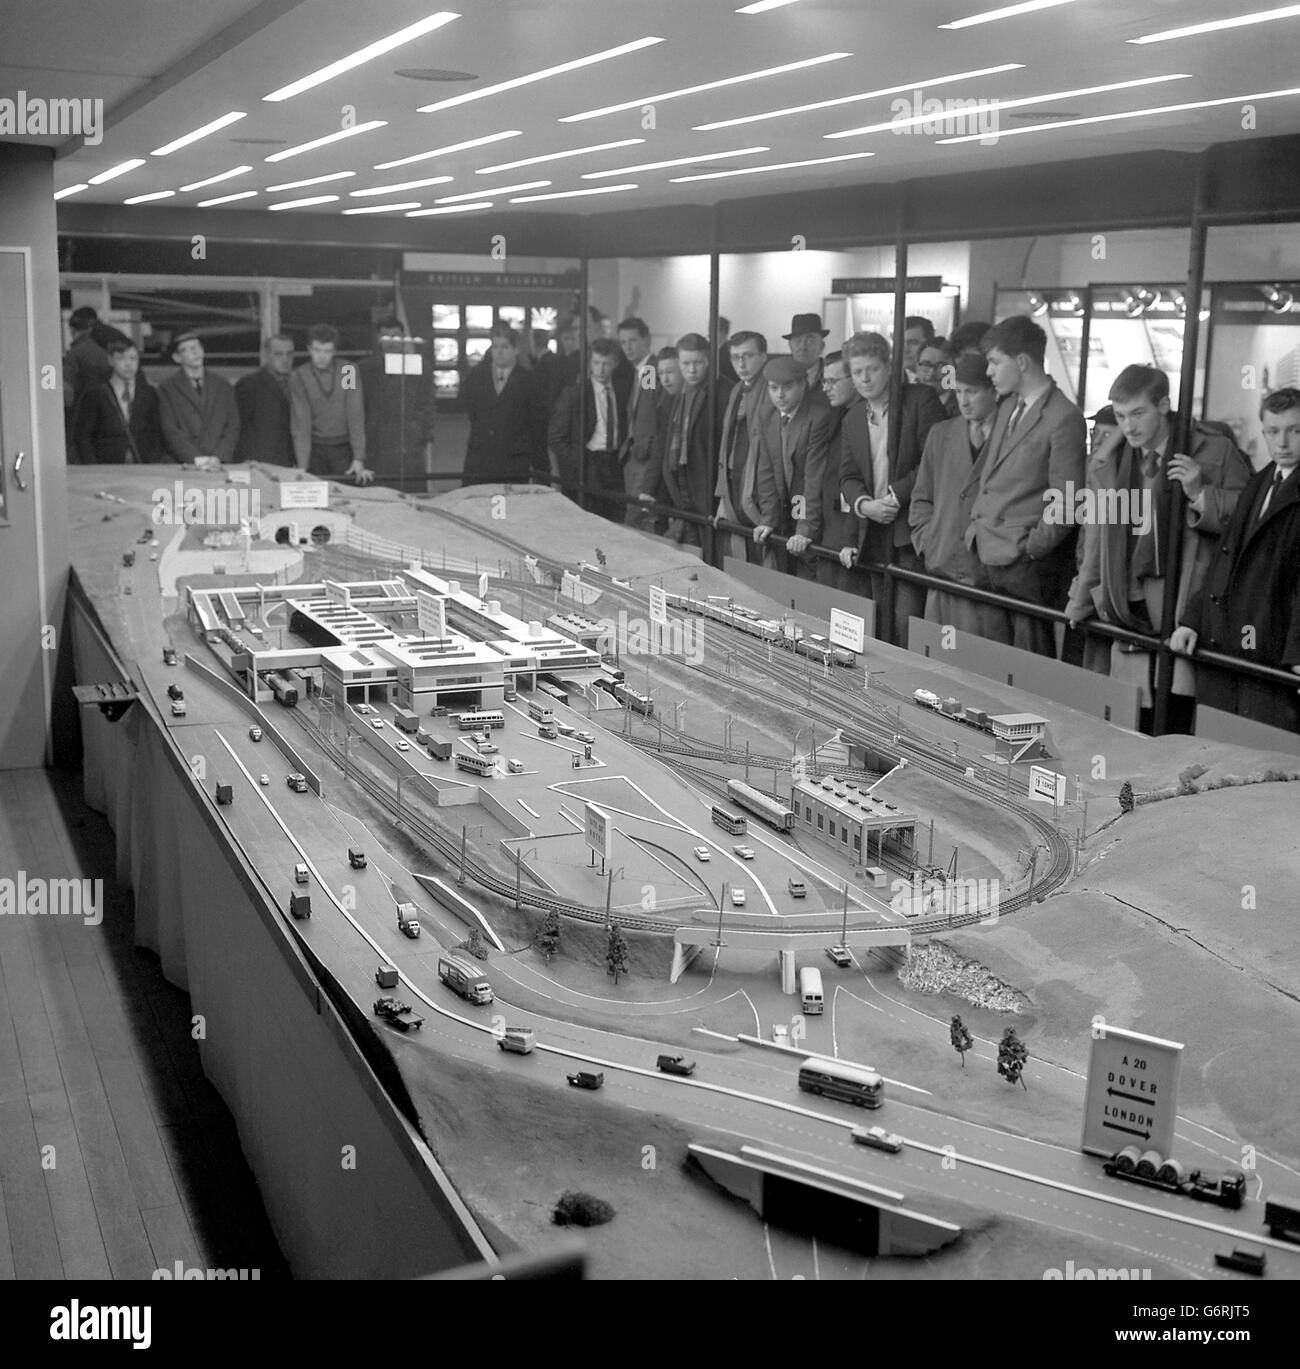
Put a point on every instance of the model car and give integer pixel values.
(515, 767)
(798, 889)
(737, 898)
(1246, 1260)
(780, 1034)
(564, 729)
(744, 852)
(488, 748)
(356, 858)
(264, 779)
(398, 1013)
(586, 737)
(840, 955)
(178, 708)
(254, 734)
(403, 744)
(300, 875)
(586, 1079)
(878, 1138)
(377, 724)
(174, 691)
(547, 730)
(702, 853)
(364, 708)
(297, 782)
(676, 1064)
(518, 1040)
(169, 655)
(478, 738)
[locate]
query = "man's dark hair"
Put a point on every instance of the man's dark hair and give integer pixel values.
(504, 330)
(634, 325)
(82, 319)
(968, 337)
(118, 346)
(275, 337)
(831, 359)
(874, 345)
(744, 337)
(665, 354)
(1280, 401)
(724, 325)
(322, 332)
(940, 342)
(1016, 336)
(692, 342)
(1135, 381)
(924, 324)
(605, 347)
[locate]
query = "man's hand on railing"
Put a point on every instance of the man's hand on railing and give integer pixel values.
(1183, 641)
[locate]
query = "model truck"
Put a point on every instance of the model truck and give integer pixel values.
(397, 1013)
(1150, 1168)
(1282, 1217)
(440, 750)
(406, 720)
(465, 979)
(408, 922)
(300, 905)
(225, 794)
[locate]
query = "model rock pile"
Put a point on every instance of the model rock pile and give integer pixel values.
(936, 968)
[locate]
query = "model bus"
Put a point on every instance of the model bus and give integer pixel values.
(540, 712)
(461, 977)
(769, 809)
(479, 720)
(810, 990)
(406, 720)
(854, 1084)
(729, 821)
(475, 764)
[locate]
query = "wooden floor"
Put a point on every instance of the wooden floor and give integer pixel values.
(117, 1157)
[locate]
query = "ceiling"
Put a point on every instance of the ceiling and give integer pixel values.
(163, 69)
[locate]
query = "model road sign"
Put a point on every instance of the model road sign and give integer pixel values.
(305, 494)
(431, 613)
(1132, 1092)
(848, 630)
(599, 830)
(658, 605)
(1045, 786)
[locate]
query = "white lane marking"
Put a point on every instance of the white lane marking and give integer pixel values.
(532, 812)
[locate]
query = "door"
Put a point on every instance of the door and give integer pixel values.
(27, 643)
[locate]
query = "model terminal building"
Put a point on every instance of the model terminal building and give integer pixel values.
(418, 641)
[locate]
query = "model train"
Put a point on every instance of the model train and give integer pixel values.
(773, 811)
(746, 620)
(284, 689)
(1152, 1169)
(952, 708)
(634, 699)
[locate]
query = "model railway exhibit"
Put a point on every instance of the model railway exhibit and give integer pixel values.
(720, 609)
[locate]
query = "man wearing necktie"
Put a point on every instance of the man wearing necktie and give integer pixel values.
(749, 405)
(118, 421)
(197, 407)
(1139, 485)
(587, 430)
(691, 443)
(1249, 603)
(641, 471)
(507, 417)
(263, 400)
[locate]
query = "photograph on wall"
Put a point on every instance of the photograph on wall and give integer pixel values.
(446, 317)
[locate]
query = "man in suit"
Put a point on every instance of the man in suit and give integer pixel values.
(263, 402)
(1123, 570)
(876, 481)
(1022, 520)
(507, 412)
(791, 449)
(807, 339)
(197, 408)
(839, 526)
(917, 331)
(117, 423)
(1249, 603)
(932, 365)
(642, 474)
(327, 411)
(747, 404)
(691, 441)
(85, 367)
(591, 418)
(725, 369)
(946, 483)
(557, 370)
(400, 409)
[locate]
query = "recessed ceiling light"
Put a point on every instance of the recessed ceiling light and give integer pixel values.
(1262, 17)
(402, 185)
(449, 149)
(572, 194)
(1008, 12)
(774, 166)
(494, 190)
(995, 107)
(366, 54)
(450, 209)
(676, 161)
(383, 208)
(558, 156)
(302, 204)
(312, 180)
(433, 74)
(710, 85)
(906, 86)
(607, 55)
(1130, 114)
(212, 180)
(119, 170)
(329, 138)
(153, 195)
(71, 190)
(226, 199)
(223, 122)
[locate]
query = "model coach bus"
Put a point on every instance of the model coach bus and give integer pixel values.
(474, 763)
(810, 989)
(854, 1084)
(729, 821)
(479, 720)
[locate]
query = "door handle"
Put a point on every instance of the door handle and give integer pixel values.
(18, 471)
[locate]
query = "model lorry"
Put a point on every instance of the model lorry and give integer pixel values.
(399, 1014)
(1282, 1217)
(225, 794)
(440, 750)
(408, 922)
(300, 905)
(465, 979)
(1150, 1168)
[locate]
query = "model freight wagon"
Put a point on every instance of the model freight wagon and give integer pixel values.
(461, 977)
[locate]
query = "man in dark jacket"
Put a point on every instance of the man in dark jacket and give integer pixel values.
(839, 526)
(117, 422)
(507, 417)
(594, 424)
(263, 402)
(400, 409)
(1249, 603)
(691, 442)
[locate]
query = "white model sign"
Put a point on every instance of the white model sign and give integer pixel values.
(1132, 1092)
(338, 594)
(483, 585)
(1045, 786)
(848, 630)
(431, 612)
(305, 494)
(600, 832)
(658, 605)
(571, 587)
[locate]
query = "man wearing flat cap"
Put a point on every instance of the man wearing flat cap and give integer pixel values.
(792, 445)
(807, 339)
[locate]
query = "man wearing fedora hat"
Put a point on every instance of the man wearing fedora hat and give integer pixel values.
(807, 339)
(196, 407)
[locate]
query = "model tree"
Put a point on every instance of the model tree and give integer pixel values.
(962, 1041)
(1126, 797)
(616, 953)
(1011, 1058)
(600, 558)
(548, 939)
(475, 945)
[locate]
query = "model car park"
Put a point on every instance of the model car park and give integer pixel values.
(878, 1139)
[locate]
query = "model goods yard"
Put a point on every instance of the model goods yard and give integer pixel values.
(426, 780)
